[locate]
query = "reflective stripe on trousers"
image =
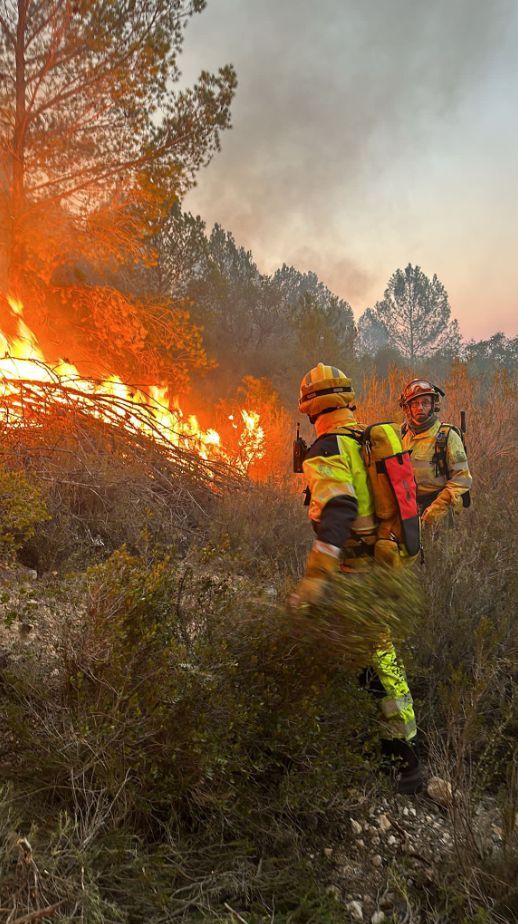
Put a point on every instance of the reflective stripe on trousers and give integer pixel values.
(397, 706)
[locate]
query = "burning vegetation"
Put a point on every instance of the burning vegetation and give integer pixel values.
(32, 389)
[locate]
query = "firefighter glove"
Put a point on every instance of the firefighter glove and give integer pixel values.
(432, 515)
(323, 561)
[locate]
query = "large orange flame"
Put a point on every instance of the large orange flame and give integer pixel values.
(152, 411)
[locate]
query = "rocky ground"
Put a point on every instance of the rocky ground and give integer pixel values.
(398, 849)
(33, 614)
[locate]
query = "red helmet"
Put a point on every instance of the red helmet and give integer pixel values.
(419, 387)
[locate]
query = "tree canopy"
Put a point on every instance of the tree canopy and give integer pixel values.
(414, 314)
(496, 353)
(372, 333)
(276, 324)
(93, 134)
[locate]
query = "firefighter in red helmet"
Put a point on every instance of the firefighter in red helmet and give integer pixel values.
(438, 456)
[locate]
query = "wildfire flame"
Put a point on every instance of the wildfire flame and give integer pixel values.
(153, 412)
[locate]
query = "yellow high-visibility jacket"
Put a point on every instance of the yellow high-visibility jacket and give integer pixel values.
(438, 492)
(341, 505)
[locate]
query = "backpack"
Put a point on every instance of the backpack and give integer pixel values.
(440, 459)
(394, 491)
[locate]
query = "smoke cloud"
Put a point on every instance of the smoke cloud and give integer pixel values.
(343, 124)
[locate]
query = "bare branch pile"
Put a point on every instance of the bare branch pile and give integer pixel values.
(31, 410)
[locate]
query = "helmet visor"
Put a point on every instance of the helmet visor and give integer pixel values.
(416, 389)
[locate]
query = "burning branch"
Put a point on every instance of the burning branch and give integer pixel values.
(29, 403)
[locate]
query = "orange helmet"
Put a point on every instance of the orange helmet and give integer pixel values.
(419, 387)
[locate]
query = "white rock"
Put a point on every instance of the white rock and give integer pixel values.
(328, 851)
(356, 826)
(378, 917)
(405, 811)
(384, 823)
(440, 791)
(392, 841)
(360, 843)
(334, 891)
(356, 910)
(375, 841)
(377, 861)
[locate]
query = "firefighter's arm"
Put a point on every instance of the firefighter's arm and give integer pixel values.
(458, 483)
(333, 510)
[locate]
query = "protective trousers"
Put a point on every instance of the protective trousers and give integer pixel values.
(385, 679)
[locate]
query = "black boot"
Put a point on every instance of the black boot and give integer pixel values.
(405, 761)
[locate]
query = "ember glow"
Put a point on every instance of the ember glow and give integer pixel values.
(28, 379)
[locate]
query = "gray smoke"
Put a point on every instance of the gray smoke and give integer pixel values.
(335, 98)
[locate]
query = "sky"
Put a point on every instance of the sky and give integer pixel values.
(368, 134)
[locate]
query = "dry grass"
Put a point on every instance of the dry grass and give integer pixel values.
(105, 487)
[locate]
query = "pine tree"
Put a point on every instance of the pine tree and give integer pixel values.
(415, 313)
(94, 141)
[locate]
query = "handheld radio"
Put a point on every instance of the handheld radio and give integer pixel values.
(300, 449)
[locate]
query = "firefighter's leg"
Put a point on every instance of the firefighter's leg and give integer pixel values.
(386, 680)
(395, 701)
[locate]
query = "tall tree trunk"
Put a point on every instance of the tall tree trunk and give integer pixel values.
(16, 255)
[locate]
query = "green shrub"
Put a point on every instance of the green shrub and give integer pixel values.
(204, 688)
(22, 509)
(188, 715)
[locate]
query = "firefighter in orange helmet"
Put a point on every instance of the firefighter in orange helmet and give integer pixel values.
(438, 455)
(343, 518)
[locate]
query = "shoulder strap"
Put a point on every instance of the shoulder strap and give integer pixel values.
(446, 429)
(326, 442)
(439, 457)
(443, 432)
(353, 433)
